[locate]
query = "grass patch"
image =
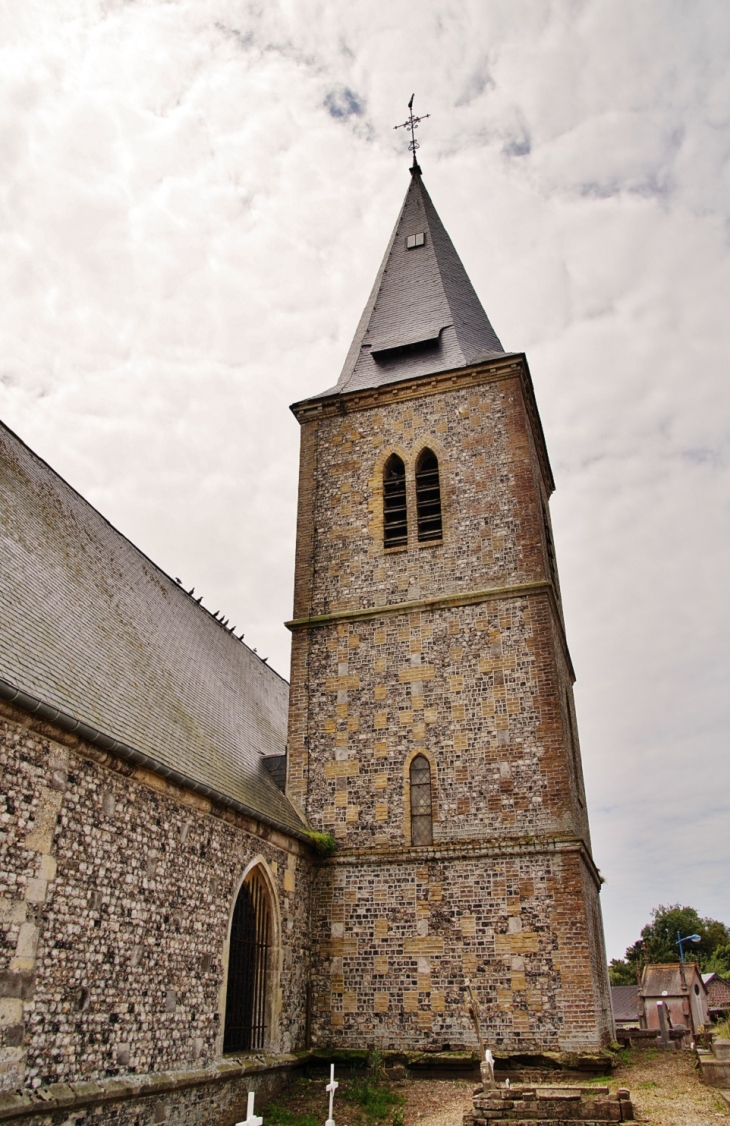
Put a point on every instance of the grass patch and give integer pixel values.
(279, 1116)
(598, 1081)
(374, 1098)
(364, 1098)
(647, 1084)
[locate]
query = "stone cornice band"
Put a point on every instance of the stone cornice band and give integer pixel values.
(468, 850)
(442, 602)
(511, 365)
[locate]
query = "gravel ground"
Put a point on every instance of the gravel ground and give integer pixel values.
(665, 1088)
(437, 1102)
(432, 1101)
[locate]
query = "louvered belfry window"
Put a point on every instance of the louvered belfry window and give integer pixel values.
(248, 964)
(395, 514)
(428, 497)
(421, 815)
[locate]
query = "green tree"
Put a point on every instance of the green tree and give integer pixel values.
(621, 972)
(658, 943)
(719, 962)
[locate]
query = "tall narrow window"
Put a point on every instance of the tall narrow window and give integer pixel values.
(421, 815)
(395, 515)
(248, 963)
(428, 496)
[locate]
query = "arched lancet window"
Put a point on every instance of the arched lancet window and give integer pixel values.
(421, 815)
(395, 515)
(428, 496)
(248, 966)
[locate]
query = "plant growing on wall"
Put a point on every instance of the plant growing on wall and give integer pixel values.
(324, 843)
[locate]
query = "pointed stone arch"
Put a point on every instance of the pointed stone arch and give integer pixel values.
(395, 504)
(427, 755)
(429, 518)
(251, 964)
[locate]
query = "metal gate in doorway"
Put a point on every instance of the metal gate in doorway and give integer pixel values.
(248, 966)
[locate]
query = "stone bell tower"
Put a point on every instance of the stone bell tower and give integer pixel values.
(432, 727)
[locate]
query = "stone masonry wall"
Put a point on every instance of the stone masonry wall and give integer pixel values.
(719, 993)
(116, 891)
(475, 688)
(490, 486)
(396, 940)
(486, 688)
(216, 1096)
(454, 650)
(579, 1106)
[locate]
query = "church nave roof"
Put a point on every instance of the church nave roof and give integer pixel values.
(91, 627)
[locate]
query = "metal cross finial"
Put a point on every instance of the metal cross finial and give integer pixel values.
(412, 123)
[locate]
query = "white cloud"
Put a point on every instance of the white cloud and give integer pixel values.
(194, 199)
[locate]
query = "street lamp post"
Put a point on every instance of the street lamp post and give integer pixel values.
(687, 938)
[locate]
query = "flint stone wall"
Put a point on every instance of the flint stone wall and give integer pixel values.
(395, 942)
(492, 489)
(475, 688)
(216, 1096)
(116, 891)
(480, 683)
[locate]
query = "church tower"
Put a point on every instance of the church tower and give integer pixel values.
(432, 728)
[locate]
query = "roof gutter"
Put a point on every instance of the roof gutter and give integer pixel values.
(35, 707)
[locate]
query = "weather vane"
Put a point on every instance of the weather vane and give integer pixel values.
(412, 123)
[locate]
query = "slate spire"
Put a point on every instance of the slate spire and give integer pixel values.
(423, 314)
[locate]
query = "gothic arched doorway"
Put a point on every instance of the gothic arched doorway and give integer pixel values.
(249, 956)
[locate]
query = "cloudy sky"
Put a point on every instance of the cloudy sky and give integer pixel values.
(194, 199)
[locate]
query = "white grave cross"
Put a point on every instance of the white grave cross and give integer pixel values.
(331, 1088)
(251, 1119)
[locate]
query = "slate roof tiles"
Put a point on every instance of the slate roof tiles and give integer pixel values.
(423, 314)
(90, 626)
